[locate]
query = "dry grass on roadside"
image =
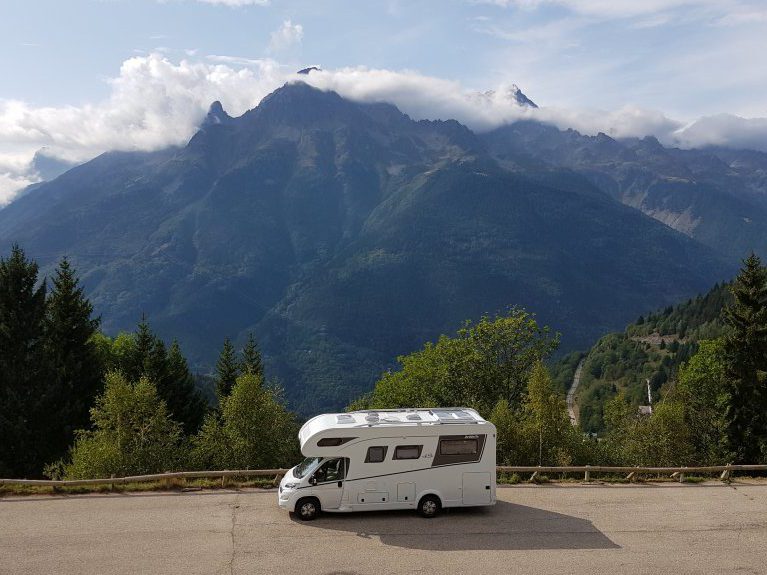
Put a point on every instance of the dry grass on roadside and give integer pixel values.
(174, 484)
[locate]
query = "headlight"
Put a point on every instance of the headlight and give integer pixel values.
(290, 485)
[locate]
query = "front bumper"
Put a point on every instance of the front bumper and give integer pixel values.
(285, 499)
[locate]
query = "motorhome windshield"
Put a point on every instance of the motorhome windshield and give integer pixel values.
(303, 468)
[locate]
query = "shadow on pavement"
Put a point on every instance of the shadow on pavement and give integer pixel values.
(506, 526)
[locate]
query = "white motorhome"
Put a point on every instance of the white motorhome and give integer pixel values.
(424, 459)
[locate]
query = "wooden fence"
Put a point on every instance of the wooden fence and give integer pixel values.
(724, 471)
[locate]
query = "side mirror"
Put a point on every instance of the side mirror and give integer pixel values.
(313, 481)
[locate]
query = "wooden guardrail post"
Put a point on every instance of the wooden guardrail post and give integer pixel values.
(587, 474)
(725, 476)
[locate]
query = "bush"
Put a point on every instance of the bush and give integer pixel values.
(253, 430)
(132, 434)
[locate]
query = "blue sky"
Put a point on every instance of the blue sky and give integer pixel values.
(74, 70)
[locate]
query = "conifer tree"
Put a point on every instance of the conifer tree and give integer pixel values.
(745, 349)
(74, 376)
(22, 311)
(179, 391)
(168, 371)
(227, 371)
(251, 358)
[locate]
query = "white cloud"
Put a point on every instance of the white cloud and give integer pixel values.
(155, 102)
(10, 184)
(613, 8)
(286, 36)
(236, 3)
(724, 130)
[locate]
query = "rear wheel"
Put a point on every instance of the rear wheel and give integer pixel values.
(307, 509)
(429, 506)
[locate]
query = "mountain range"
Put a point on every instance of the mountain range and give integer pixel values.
(343, 234)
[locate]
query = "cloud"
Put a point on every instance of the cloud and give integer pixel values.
(612, 8)
(10, 184)
(155, 102)
(724, 130)
(236, 3)
(286, 36)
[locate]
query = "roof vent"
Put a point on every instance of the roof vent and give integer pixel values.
(413, 417)
(344, 418)
(372, 417)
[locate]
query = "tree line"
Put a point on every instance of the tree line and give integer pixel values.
(713, 413)
(76, 403)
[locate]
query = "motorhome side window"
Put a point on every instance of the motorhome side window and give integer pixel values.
(376, 454)
(458, 446)
(333, 470)
(333, 441)
(407, 451)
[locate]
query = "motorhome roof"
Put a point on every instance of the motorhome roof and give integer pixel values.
(389, 418)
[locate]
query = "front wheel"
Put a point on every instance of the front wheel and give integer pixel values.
(307, 509)
(429, 506)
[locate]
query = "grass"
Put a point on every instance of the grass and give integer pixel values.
(162, 485)
(263, 483)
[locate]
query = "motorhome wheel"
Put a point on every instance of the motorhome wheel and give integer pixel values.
(307, 509)
(429, 506)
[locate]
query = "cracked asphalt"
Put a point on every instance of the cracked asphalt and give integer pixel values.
(552, 529)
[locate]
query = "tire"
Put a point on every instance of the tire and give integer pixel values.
(308, 508)
(429, 506)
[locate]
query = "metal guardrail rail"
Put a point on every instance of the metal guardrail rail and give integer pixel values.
(223, 474)
(725, 472)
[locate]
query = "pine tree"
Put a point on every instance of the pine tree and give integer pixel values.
(75, 371)
(745, 349)
(227, 371)
(180, 392)
(144, 344)
(167, 369)
(22, 311)
(251, 358)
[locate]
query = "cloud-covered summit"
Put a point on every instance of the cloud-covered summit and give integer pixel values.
(155, 102)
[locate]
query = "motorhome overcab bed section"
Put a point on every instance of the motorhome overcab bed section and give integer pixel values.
(424, 459)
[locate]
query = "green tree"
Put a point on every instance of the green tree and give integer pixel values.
(704, 392)
(253, 431)
(745, 349)
(75, 371)
(485, 363)
(22, 369)
(133, 433)
(660, 439)
(143, 354)
(180, 392)
(227, 371)
(251, 358)
(540, 432)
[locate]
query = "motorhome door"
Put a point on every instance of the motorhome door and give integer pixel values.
(329, 486)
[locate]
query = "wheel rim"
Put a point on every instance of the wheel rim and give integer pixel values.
(429, 507)
(308, 509)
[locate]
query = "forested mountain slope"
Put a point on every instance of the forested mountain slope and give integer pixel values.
(652, 348)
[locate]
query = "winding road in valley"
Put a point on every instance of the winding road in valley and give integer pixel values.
(571, 394)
